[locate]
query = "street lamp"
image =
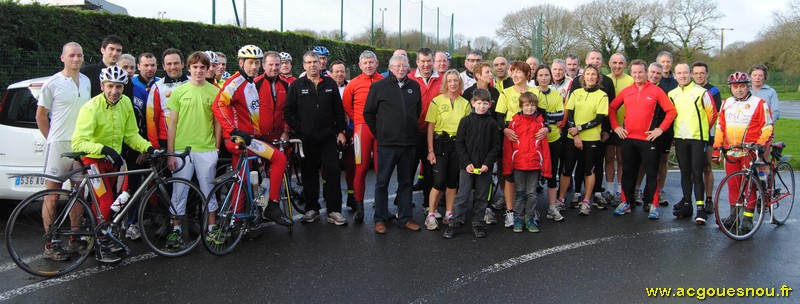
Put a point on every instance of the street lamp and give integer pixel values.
(722, 39)
(383, 11)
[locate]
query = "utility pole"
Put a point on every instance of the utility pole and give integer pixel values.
(722, 40)
(383, 12)
(244, 12)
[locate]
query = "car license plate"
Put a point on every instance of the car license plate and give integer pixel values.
(30, 182)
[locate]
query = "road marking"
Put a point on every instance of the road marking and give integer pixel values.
(503, 265)
(12, 265)
(71, 277)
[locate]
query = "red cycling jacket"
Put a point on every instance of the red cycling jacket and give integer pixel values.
(640, 108)
(527, 152)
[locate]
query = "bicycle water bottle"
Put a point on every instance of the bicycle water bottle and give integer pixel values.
(121, 200)
(762, 176)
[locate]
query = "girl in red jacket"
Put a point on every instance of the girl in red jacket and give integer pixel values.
(528, 157)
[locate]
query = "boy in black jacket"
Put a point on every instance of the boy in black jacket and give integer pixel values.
(477, 143)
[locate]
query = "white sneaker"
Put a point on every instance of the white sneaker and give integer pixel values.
(585, 208)
(509, 221)
(560, 204)
(311, 216)
(336, 218)
(431, 223)
(435, 212)
(133, 232)
(447, 217)
(554, 215)
(489, 217)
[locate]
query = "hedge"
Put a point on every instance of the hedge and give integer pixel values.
(33, 38)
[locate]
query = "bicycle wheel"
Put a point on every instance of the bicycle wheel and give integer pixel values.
(672, 158)
(735, 192)
(296, 191)
(228, 230)
(156, 214)
(26, 236)
(782, 193)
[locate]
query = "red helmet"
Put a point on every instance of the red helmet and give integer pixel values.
(738, 77)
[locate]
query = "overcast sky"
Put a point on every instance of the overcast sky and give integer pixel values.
(473, 18)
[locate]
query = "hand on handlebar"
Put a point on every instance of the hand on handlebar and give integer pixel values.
(244, 135)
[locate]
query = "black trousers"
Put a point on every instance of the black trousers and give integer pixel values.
(635, 154)
(321, 154)
(691, 155)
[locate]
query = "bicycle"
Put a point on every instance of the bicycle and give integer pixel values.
(776, 194)
(234, 191)
(26, 236)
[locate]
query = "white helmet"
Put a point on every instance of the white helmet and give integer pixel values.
(114, 74)
(212, 57)
(285, 56)
(250, 52)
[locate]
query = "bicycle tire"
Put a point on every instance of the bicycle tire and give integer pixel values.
(783, 193)
(156, 210)
(26, 237)
(749, 189)
(672, 157)
(231, 228)
(298, 201)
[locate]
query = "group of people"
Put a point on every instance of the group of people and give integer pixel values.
(524, 120)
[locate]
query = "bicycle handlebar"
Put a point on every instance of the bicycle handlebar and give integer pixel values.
(292, 141)
(161, 153)
(745, 147)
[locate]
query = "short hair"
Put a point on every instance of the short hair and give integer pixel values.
(700, 64)
(128, 57)
(221, 55)
(110, 39)
(571, 57)
(682, 63)
(444, 81)
(625, 60)
(367, 55)
(476, 52)
(522, 66)
(425, 52)
(198, 57)
(272, 54)
(401, 58)
(758, 66)
(310, 53)
(664, 53)
(147, 55)
(478, 68)
(656, 65)
(595, 51)
(335, 62)
(446, 55)
(639, 62)
(481, 95)
(561, 61)
(171, 51)
(528, 97)
(543, 67)
(71, 44)
(599, 76)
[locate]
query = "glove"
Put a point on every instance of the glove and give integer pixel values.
(244, 135)
(112, 156)
(150, 150)
(715, 153)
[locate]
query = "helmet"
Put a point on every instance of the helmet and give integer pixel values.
(446, 54)
(212, 56)
(114, 74)
(321, 50)
(250, 52)
(738, 77)
(285, 56)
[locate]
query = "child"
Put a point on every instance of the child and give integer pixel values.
(477, 144)
(527, 157)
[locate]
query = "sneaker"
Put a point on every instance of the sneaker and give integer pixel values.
(447, 217)
(106, 256)
(273, 212)
(215, 236)
(431, 223)
(174, 239)
(608, 197)
(499, 203)
(709, 206)
(479, 231)
(701, 217)
(554, 215)
(351, 201)
(616, 200)
(585, 208)
(599, 201)
(489, 217)
(449, 232)
(509, 219)
(54, 251)
(311, 216)
(77, 245)
(732, 218)
(662, 198)
(576, 200)
(638, 198)
(653, 215)
(684, 211)
(112, 246)
(560, 206)
(622, 209)
(133, 233)
(532, 224)
(336, 218)
(518, 224)
(747, 225)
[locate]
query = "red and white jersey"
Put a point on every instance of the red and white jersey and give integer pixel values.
(743, 121)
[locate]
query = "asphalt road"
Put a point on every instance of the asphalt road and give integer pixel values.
(790, 109)
(600, 258)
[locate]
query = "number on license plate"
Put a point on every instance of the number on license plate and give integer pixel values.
(30, 181)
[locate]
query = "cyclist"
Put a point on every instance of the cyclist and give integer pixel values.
(441, 61)
(613, 192)
(700, 77)
(221, 74)
(473, 57)
(59, 102)
(354, 98)
(157, 114)
(111, 49)
(323, 54)
(339, 74)
(503, 79)
(238, 109)
(744, 118)
(286, 67)
(430, 84)
(211, 76)
(695, 112)
(104, 123)
(128, 63)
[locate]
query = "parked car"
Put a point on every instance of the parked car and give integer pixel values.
(22, 146)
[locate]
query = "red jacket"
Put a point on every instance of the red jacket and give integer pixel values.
(428, 92)
(640, 107)
(527, 153)
(355, 96)
(271, 123)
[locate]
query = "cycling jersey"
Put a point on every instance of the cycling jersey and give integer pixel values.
(619, 84)
(157, 114)
(468, 78)
(429, 88)
(585, 106)
(509, 101)
(446, 116)
(717, 105)
(641, 104)
(272, 99)
(695, 111)
(501, 84)
(744, 121)
(355, 96)
(141, 90)
(195, 120)
(562, 87)
(63, 99)
(553, 105)
(101, 124)
(289, 79)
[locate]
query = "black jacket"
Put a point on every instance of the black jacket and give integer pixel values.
(478, 140)
(392, 111)
(492, 91)
(93, 72)
(314, 112)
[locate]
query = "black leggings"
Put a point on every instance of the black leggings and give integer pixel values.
(588, 156)
(691, 160)
(445, 171)
(637, 153)
(555, 151)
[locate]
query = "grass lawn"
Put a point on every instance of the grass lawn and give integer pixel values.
(789, 96)
(784, 131)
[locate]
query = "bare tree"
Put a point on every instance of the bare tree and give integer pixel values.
(558, 34)
(487, 45)
(689, 25)
(595, 27)
(637, 27)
